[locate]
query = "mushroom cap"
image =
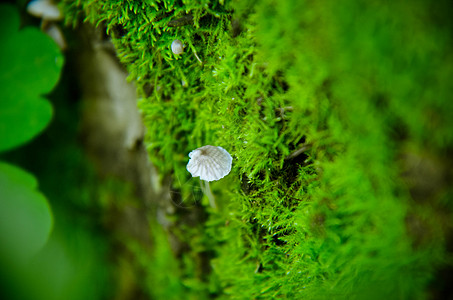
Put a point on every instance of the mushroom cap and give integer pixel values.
(45, 9)
(177, 47)
(209, 162)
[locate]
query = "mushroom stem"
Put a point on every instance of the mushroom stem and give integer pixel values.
(207, 191)
(194, 52)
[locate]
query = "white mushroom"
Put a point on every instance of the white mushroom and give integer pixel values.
(209, 163)
(177, 47)
(49, 12)
(45, 9)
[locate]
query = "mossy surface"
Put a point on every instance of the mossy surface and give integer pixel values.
(333, 112)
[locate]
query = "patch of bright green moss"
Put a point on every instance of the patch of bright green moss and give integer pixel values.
(351, 85)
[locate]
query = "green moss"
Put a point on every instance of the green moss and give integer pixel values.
(357, 87)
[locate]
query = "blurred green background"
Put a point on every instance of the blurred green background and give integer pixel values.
(52, 244)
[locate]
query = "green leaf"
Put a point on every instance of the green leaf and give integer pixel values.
(31, 64)
(25, 216)
(21, 120)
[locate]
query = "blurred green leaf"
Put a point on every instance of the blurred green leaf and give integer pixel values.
(21, 119)
(31, 64)
(25, 217)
